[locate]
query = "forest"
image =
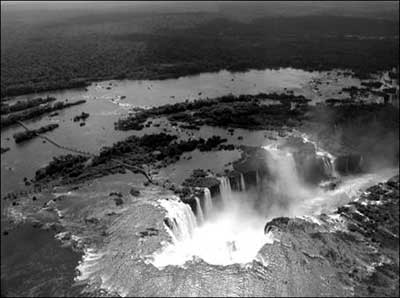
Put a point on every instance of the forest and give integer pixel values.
(52, 54)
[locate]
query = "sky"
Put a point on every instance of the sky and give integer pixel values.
(237, 9)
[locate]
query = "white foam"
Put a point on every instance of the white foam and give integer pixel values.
(226, 240)
(231, 236)
(199, 215)
(235, 232)
(182, 218)
(283, 167)
(88, 263)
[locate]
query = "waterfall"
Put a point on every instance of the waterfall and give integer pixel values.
(329, 163)
(181, 218)
(283, 167)
(236, 235)
(207, 201)
(242, 183)
(199, 211)
(225, 189)
(90, 260)
(328, 166)
(329, 159)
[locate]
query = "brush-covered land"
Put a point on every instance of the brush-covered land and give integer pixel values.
(74, 49)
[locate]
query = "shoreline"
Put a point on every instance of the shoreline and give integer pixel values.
(156, 75)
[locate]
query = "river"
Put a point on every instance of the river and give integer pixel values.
(105, 104)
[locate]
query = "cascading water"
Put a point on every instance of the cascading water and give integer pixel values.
(88, 264)
(235, 232)
(207, 201)
(199, 211)
(234, 236)
(242, 183)
(225, 189)
(181, 218)
(283, 167)
(328, 166)
(300, 199)
(329, 159)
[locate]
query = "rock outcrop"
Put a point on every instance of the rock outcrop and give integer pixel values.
(355, 250)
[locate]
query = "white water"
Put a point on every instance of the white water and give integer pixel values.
(235, 234)
(300, 199)
(182, 218)
(329, 167)
(242, 183)
(225, 190)
(88, 264)
(349, 190)
(328, 158)
(207, 201)
(199, 212)
(283, 168)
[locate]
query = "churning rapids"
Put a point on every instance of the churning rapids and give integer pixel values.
(233, 232)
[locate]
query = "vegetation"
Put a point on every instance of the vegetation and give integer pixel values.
(200, 178)
(234, 111)
(53, 54)
(156, 149)
(27, 135)
(82, 116)
(36, 111)
(344, 127)
(23, 105)
(4, 150)
(314, 43)
(60, 165)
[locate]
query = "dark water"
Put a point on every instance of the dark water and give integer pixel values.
(34, 264)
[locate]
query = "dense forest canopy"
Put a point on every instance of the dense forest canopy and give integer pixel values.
(49, 46)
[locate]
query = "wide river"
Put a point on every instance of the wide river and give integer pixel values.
(33, 263)
(104, 103)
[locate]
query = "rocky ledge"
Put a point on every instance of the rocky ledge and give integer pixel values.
(354, 251)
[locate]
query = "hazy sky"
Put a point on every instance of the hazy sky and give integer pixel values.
(228, 8)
